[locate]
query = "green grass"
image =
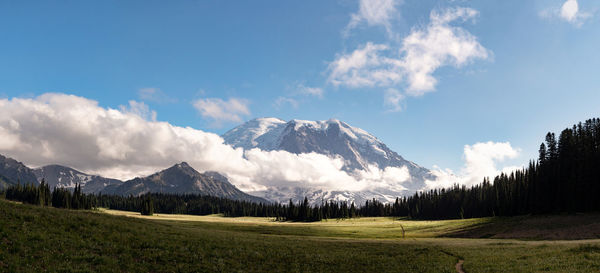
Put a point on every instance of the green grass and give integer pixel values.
(35, 239)
(366, 228)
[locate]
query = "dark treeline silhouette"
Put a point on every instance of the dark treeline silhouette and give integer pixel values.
(147, 207)
(204, 205)
(42, 195)
(192, 204)
(564, 179)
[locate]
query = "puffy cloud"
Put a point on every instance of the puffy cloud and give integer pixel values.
(422, 52)
(75, 131)
(374, 13)
(220, 110)
(439, 44)
(365, 67)
(480, 161)
(569, 12)
(481, 158)
(390, 178)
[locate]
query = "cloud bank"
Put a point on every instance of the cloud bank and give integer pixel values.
(481, 161)
(75, 131)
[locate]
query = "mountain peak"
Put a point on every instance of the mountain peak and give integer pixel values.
(359, 149)
(183, 164)
(268, 119)
(180, 168)
(329, 137)
(181, 178)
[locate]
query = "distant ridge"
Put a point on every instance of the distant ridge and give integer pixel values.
(13, 172)
(65, 177)
(179, 179)
(183, 179)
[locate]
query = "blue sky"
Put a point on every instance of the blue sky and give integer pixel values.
(536, 69)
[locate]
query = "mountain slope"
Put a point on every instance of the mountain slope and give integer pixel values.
(331, 137)
(65, 177)
(358, 148)
(183, 179)
(12, 172)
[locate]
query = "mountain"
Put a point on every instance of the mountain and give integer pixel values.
(13, 172)
(65, 177)
(358, 148)
(183, 179)
(4, 182)
(330, 137)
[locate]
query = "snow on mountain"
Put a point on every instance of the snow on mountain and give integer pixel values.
(263, 133)
(358, 148)
(317, 196)
(65, 177)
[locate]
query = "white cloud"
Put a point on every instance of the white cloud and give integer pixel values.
(481, 161)
(390, 178)
(374, 13)
(75, 131)
(140, 109)
(422, 52)
(311, 91)
(393, 100)
(569, 12)
(365, 67)
(439, 44)
(220, 110)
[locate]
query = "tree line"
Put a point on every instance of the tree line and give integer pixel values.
(564, 179)
(41, 195)
(195, 204)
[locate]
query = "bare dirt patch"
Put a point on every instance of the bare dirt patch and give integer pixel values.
(459, 267)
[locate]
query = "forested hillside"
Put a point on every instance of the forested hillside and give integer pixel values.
(565, 178)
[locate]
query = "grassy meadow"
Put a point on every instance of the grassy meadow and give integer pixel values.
(38, 239)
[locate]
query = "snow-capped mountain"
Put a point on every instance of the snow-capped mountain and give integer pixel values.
(358, 148)
(65, 177)
(316, 196)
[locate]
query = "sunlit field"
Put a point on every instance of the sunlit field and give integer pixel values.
(480, 255)
(367, 227)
